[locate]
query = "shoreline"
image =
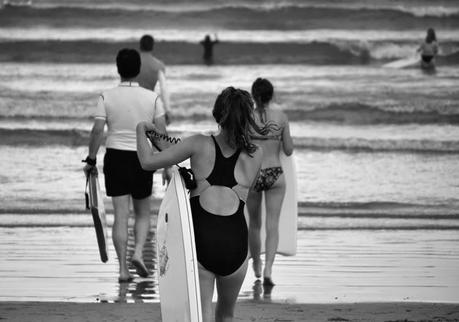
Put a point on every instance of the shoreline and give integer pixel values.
(331, 266)
(245, 311)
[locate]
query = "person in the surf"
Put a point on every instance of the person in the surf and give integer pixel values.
(153, 73)
(428, 49)
(208, 45)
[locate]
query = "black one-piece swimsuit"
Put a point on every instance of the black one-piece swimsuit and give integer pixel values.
(221, 241)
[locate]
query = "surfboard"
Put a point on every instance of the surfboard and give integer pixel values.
(179, 291)
(96, 205)
(288, 220)
(403, 63)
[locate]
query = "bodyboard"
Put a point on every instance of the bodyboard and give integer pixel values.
(96, 205)
(177, 261)
(403, 63)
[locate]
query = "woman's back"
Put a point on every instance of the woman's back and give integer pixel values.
(429, 49)
(204, 162)
(218, 201)
(272, 143)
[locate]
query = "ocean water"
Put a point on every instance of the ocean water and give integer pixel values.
(365, 136)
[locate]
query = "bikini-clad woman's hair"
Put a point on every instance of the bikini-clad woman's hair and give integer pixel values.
(262, 93)
(431, 37)
(233, 111)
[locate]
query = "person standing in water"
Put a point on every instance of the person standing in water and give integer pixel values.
(225, 167)
(270, 181)
(208, 45)
(429, 49)
(153, 73)
(122, 108)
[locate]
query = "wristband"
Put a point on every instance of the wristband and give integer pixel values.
(90, 161)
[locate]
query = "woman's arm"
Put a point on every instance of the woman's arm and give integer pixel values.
(258, 156)
(287, 142)
(151, 160)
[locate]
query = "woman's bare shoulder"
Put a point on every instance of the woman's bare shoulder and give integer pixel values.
(196, 142)
(196, 138)
(278, 115)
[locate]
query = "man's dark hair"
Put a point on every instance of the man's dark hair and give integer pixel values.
(146, 43)
(128, 63)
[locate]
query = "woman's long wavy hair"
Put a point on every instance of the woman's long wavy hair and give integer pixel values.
(431, 36)
(233, 111)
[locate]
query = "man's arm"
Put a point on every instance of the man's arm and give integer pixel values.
(96, 137)
(95, 140)
(164, 93)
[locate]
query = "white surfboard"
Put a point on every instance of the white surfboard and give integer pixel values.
(176, 256)
(288, 220)
(403, 63)
(96, 205)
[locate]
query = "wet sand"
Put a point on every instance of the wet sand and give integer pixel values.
(246, 311)
(53, 273)
(61, 264)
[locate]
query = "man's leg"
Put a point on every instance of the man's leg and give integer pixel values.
(120, 233)
(141, 229)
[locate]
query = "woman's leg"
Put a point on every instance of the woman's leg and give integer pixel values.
(228, 288)
(120, 232)
(141, 229)
(206, 286)
(254, 209)
(274, 199)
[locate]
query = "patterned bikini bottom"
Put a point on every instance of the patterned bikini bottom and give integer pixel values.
(267, 178)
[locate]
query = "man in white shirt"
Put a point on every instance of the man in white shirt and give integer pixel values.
(153, 72)
(122, 108)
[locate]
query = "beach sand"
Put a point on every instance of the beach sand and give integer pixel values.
(245, 311)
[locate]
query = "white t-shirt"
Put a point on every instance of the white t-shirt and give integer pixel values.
(122, 108)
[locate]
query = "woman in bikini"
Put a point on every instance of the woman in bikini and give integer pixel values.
(429, 49)
(270, 180)
(225, 167)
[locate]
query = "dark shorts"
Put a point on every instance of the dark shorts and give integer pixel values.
(125, 176)
(427, 58)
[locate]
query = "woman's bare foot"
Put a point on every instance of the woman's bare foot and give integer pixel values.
(140, 267)
(257, 267)
(267, 276)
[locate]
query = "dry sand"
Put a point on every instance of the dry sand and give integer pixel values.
(245, 311)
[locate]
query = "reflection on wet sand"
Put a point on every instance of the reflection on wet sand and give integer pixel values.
(63, 264)
(140, 289)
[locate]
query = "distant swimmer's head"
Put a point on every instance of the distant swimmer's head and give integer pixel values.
(262, 91)
(233, 111)
(146, 43)
(128, 63)
(431, 36)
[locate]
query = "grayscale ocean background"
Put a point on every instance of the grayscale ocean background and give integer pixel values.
(377, 149)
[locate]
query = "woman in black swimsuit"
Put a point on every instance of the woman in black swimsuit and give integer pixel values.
(225, 167)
